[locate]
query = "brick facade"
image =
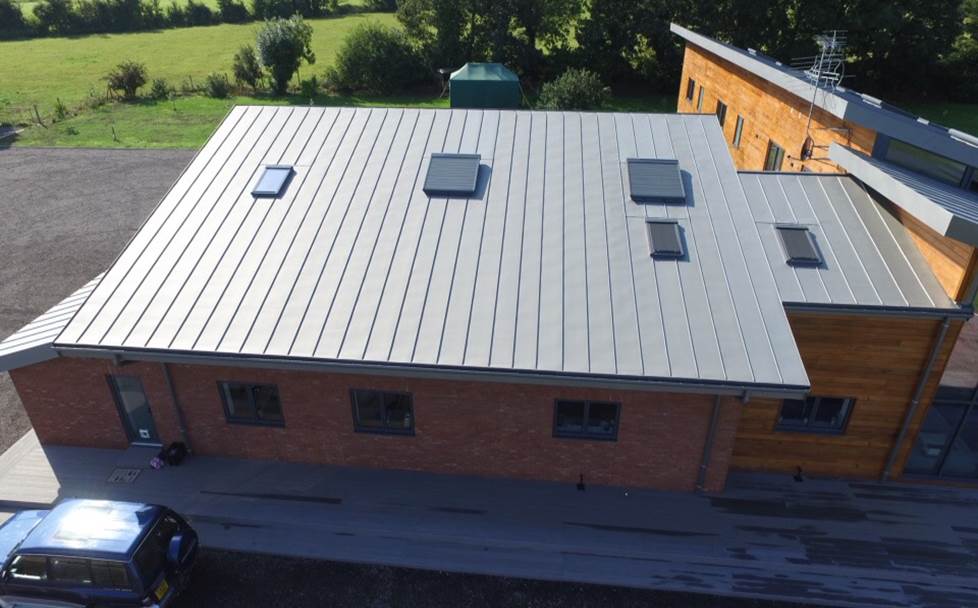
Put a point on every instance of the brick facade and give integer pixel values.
(470, 428)
(769, 112)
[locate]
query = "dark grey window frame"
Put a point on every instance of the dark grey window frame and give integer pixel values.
(587, 410)
(738, 131)
(771, 145)
(256, 421)
(257, 192)
(690, 89)
(881, 150)
(434, 190)
(817, 260)
(721, 112)
(850, 404)
(666, 254)
(381, 430)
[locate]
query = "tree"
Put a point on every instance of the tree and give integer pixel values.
(54, 16)
(246, 68)
(376, 59)
(282, 45)
(575, 89)
(127, 77)
(12, 22)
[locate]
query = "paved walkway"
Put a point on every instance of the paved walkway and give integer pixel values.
(824, 542)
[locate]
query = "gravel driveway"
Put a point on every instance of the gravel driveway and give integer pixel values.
(64, 216)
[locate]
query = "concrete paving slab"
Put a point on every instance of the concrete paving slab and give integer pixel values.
(825, 542)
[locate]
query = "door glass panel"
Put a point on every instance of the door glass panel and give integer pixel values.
(135, 408)
(962, 460)
(932, 439)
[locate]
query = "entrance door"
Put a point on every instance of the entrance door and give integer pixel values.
(137, 417)
(947, 443)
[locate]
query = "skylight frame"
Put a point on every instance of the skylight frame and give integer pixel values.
(674, 248)
(438, 184)
(270, 186)
(644, 181)
(793, 256)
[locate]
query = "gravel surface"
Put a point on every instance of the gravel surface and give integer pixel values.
(245, 580)
(64, 216)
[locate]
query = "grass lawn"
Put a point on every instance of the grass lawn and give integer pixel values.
(962, 116)
(41, 70)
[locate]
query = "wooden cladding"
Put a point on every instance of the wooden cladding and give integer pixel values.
(877, 361)
(769, 112)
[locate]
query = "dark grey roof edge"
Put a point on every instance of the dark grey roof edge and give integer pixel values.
(962, 312)
(438, 371)
(843, 104)
(933, 214)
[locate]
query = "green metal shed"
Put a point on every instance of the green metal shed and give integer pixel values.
(484, 85)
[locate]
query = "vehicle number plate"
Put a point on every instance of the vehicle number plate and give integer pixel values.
(162, 589)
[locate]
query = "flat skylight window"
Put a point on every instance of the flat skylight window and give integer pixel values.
(452, 175)
(665, 240)
(655, 180)
(272, 181)
(799, 246)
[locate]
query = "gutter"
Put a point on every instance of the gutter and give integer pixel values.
(708, 446)
(962, 312)
(441, 372)
(915, 401)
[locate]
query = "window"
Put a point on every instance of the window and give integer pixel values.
(655, 180)
(586, 419)
(252, 403)
(815, 414)
(929, 164)
(70, 570)
(150, 558)
(452, 175)
(738, 131)
(775, 157)
(973, 186)
(272, 181)
(799, 246)
(110, 575)
(28, 568)
(665, 240)
(382, 412)
(699, 100)
(721, 112)
(690, 89)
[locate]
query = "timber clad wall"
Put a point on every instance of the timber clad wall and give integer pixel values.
(473, 428)
(769, 113)
(879, 362)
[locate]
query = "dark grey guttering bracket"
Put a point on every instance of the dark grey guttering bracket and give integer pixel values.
(915, 401)
(708, 446)
(436, 372)
(962, 312)
(181, 419)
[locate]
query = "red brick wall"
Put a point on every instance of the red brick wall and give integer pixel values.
(472, 428)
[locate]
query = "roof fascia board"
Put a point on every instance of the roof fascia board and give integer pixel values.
(437, 372)
(31, 355)
(906, 129)
(964, 312)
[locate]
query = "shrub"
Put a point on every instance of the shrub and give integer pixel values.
(247, 70)
(376, 59)
(308, 87)
(575, 89)
(232, 12)
(160, 89)
(12, 22)
(60, 110)
(217, 85)
(271, 9)
(127, 77)
(54, 17)
(190, 14)
(282, 45)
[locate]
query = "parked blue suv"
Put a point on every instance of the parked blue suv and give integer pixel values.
(95, 553)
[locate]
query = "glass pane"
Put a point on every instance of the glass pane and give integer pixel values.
(794, 412)
(927, 163)
(71, 570)
(110, 575)
(151, 556)
(938, 427)
(738, 132)
(831, 413)
(397, 412)
(570, 416)
(239, 401)
(267, 402)
(29, 567)
(962, 460)
(602, 418)
(369, 408)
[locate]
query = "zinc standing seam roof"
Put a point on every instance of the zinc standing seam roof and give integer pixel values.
(546, 271)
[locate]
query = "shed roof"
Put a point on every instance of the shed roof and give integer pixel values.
(484, 71)
(545, 273)
(843, 103)
(869, 258)
(949, 210)
(32, 342)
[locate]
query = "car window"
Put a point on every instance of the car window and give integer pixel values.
(151, 555)
(28, 567)
(70, 570)
(110, 575)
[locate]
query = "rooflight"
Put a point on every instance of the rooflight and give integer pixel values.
(452, 175)
(665, 241)
(799, 246)
(655, 180)
(273, 181)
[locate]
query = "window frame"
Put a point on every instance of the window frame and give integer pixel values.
(587, 410)
(738, 132)
(807, 427)
(384, 430)
(690, 89)
(222, 385)
(699, 100)
(771, 144)
(721, 112)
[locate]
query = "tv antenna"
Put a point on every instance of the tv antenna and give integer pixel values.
(825, 70)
